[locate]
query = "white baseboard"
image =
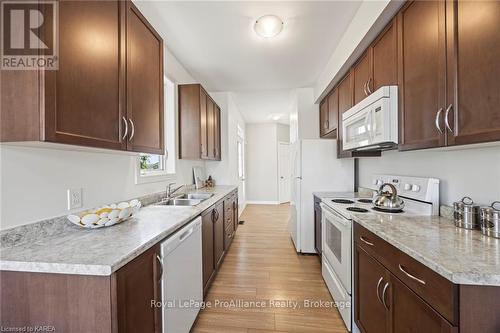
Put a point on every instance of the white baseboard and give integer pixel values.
(251, 202)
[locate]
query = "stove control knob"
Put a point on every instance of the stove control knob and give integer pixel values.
(407, 187)
(379, 182)
(415, 188)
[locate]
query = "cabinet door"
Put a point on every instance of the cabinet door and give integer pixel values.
(218, 221)
(409, 313)
(83, 99)
(370, 278)
(203, 123)
(385, 58)
(217, 152)
(362, 74)
(210, 128)
(144, 84)
(207, 231)
(137, 283)
(333, 111)
(228, 222)
(473, 88)
(422, 73)
(323, 117)
(345, 103)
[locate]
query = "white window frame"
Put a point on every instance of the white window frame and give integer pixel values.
(161, 175)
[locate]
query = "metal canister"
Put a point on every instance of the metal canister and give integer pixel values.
(490, 220)
(466, 214)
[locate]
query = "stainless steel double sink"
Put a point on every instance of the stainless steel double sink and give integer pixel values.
(188, 199)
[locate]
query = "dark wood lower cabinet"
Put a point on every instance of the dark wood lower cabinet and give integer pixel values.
(207, 239)
(409, 313)
(388, 300)
(215, 240)
(137, 284)
(120, 302)
(218, 221)
(371, 315)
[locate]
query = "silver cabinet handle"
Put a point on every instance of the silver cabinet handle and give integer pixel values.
(364, 88)
(126, 128)
(365, 241)
(368, 86)
(383, 296)
(378, 288)
(133, 129)
(446, 114)
(161, 266)
(438, 117)
(402, 269)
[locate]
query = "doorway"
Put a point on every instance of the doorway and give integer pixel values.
(283, 172)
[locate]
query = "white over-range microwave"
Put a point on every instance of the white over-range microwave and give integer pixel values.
(373, 122)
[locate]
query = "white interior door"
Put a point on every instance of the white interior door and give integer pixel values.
(284, 171)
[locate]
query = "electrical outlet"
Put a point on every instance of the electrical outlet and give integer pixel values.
(74, 198)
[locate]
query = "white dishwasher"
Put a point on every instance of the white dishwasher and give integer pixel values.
(182, 279)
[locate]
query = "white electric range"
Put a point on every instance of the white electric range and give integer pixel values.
(421, 196)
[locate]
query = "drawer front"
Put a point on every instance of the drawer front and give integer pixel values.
(436, 290)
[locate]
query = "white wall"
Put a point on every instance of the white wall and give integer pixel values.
(474, 172)
(262, 161)
(35, 180)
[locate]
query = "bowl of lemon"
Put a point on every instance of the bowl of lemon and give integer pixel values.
(106, 216)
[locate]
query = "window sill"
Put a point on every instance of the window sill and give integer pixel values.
(154, 177)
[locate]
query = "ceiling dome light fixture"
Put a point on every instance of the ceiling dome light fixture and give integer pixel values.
(268, 26)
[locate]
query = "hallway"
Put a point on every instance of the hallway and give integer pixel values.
(262, 266)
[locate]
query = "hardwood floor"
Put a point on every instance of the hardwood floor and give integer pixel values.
(262, 266)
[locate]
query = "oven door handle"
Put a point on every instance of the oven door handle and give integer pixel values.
(331, 215)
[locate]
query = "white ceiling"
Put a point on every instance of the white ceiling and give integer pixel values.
(258, 106)
(216, 43)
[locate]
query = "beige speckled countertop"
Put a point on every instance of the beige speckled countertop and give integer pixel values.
(102, 251)
(462, 256)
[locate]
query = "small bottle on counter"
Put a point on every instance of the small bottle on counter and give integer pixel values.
(210, 182)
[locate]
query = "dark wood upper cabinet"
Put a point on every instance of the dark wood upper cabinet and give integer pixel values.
(385, 58)
(83, 97)
(371, 310)
(204, 99)
(328, 115)
(422, 74)
(191, 116)
(323, 117)
(472, 108)
(107, 92)
(345, 93)
(137, 283)
(144, 84)
(199, 124)
(362, 76)
(333, 112)
(216, 132)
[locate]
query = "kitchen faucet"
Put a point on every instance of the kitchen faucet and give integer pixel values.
(171, 191)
